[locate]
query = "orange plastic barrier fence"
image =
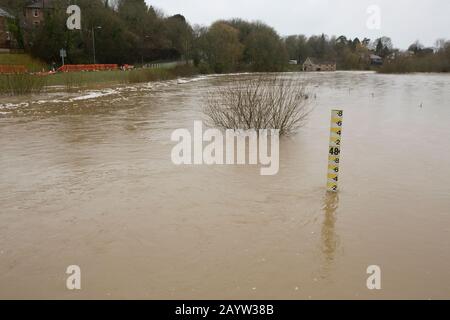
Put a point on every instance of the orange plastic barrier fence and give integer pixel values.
(87, 67)
(5, 68)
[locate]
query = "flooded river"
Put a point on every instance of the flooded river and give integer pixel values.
(87, 179)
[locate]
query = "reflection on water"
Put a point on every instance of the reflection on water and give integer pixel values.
(87, 179)
(329, 236)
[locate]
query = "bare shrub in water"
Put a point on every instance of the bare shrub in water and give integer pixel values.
(260, 103)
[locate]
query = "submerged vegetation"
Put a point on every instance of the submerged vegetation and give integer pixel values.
(260, 103)
(148, 75)
(21, 84)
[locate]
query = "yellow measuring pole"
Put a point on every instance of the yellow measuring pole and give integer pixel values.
(334, 152)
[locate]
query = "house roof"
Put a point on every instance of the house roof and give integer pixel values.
(4, 13)
(41, 4)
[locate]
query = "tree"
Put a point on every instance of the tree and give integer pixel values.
(304, 51)
(366, 42)
(356, 43)
(199, 46)
(180, 35)
(15, 7)
(342, 41)
(292, 45)
(383, 46)
(222, 47)
(134, 13)
(416, 47)
(265, 49)
(297, 47)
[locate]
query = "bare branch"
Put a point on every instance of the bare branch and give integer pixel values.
(266, 102)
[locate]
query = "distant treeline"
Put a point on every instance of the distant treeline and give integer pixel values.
(130, 32)
(420, 59)
(349, 54)
(133, 32)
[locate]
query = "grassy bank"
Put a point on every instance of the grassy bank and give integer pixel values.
(32, 64)
(26, 84)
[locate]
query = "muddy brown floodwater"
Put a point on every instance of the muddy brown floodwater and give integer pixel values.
(86, 179)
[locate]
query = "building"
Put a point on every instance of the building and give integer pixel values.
(6, 39)
(311, 64)
(400, 54)
(376, 60)
(35, 12)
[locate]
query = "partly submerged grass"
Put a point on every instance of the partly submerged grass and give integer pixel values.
(148, 75)
(20, 84)
(75, 80)
(25, 84)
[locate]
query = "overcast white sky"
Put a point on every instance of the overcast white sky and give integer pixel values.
(403, 20)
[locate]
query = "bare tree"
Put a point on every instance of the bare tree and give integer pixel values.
(266, 102)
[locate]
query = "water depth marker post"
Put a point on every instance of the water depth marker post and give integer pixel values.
(334, 158)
